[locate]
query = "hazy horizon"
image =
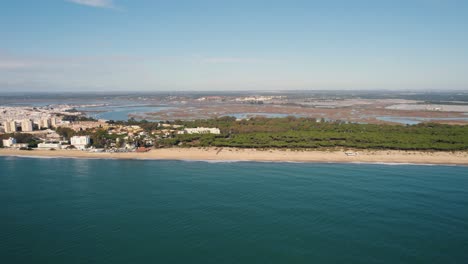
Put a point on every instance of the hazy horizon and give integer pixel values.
(259, 91)
(160, 46)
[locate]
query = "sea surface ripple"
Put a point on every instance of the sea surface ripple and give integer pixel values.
(142, 211)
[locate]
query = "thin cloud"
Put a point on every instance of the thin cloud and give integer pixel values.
(15, 62)
(222, 60)
(8, 62)
(94, 3)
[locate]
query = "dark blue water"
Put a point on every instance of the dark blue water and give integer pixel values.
(119, 211)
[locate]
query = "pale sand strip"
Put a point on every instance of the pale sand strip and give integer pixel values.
(233, 154)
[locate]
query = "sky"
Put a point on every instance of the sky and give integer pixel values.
(215, 45)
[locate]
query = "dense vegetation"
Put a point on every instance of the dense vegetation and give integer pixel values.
(75, 118)
(65, 132)
(293, 133)
(289, 132)
(146, 125)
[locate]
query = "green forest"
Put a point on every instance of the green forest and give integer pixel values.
(294, 133)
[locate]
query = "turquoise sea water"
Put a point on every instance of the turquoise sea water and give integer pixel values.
(128, 211)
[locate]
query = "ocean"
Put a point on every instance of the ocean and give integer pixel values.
(135, 211)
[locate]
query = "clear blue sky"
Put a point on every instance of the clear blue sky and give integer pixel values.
(77, 45)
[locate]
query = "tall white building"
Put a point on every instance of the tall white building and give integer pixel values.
(80, 142)
(26, 125)
(44, 123)
(9, 142)
(53, 121)
(10, 126)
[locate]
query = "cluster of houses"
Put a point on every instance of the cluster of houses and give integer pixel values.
(167, 131)
(84, 125)
(126, 137)
(44, 124)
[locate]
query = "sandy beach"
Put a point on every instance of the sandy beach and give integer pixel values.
(233, 154)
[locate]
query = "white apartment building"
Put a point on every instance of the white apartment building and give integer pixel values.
(53, 122)
(202, 130)
(7, 143)
(10, 126)
(80, 142)
(26, 125)
(44, 123)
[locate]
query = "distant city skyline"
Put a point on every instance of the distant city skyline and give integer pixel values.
(124, 45)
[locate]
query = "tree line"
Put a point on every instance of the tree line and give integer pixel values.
(291, 133)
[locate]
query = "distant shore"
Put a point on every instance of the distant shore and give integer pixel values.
(235, 154)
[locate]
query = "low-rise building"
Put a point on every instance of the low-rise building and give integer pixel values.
(19, 145)
(49, 146)
(80, 142)
(202, 130)
(9, 142)
(84, 125)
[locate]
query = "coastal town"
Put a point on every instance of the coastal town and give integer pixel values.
(71, 126)
(57, 128)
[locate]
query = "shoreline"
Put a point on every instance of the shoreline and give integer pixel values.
(255, 155)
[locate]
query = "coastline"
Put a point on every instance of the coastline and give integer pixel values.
(273, 155)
